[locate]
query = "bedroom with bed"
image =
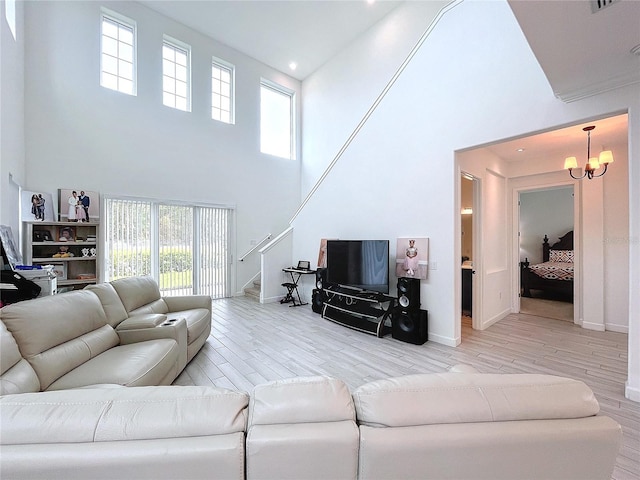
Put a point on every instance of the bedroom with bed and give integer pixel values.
(547, 253)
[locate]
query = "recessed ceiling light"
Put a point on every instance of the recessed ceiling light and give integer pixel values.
(293, 65)
(371, 2)
(520, 150)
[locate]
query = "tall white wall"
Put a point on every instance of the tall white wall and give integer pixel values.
(12, 156)
(474, 81)
(80, 134)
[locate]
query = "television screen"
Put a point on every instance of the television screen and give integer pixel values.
(362, 264)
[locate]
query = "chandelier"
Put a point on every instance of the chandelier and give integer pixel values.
(593, 163)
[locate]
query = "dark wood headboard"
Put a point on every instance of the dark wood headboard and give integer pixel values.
(565, 243)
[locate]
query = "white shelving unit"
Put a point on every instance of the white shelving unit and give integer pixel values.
(42, 240)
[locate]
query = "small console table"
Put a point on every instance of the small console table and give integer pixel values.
(363, 311)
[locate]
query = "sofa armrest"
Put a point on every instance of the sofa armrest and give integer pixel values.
(174, 328)
(117, 414)
(143, 320)
(187, 302)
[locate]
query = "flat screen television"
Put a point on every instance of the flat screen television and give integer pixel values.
(360, 264)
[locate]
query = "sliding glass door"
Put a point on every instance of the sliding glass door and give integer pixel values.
(185, 247)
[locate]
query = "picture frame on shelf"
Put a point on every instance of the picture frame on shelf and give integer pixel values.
(66, 234)
(78, 205)
(36, 207)
(60, 270)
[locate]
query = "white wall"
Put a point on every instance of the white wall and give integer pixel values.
(79, 133)
(474, 81)
(12, 156)
(544, 212)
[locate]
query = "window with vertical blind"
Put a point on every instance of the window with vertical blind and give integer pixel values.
(185, 247)
(118, 53)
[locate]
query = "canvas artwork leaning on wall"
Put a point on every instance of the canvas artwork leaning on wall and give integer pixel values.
(77, 205)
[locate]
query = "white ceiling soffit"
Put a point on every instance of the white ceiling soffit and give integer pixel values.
(583, 53)
(277, 33)
(610, 132)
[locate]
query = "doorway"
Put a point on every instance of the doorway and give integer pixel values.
(469, 240)
(546, 279)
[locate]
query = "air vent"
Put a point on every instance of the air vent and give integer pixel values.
(597, 5)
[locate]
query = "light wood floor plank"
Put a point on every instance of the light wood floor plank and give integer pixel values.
(253, 343)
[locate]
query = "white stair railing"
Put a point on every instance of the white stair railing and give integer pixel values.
(386, 89)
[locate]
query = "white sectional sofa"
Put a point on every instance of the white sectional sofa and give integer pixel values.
(120, 333)
(84, 397)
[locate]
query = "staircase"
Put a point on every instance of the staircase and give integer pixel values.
(253, 291)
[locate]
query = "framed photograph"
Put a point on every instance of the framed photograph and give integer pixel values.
(78, 205)
(412, 257)
(36, 207)
(66, 234)
(60, 270)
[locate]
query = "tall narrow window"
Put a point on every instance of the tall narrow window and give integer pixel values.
(276, 120)
(184, 247)
(176, 74)
(118, 58)
(222, 91)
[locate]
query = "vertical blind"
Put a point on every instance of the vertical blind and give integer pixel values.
(185, 247)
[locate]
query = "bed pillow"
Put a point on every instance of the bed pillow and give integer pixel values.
(564, 256)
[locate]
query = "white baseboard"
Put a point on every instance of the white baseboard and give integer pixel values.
(632, 393)
(593, 326)
(272, 299)
(448, 341)
(495, 319)
(612, 327)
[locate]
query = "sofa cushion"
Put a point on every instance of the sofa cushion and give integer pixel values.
(17, 375)
(107, 415)
(56, 334)
(427, 399)
(136, 292)
(111, 303)
(135, 364)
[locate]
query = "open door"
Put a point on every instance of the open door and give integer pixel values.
(469, 248)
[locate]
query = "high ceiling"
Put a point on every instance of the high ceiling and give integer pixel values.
(580, 52)
(279, 32)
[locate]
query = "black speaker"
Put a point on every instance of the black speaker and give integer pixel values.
(321, 278)
(409, 326)
(317, 300)
(409, 293)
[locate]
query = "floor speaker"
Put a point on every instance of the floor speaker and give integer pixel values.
(321, 278)
(409, 326)
(409, 293)
(317, 300)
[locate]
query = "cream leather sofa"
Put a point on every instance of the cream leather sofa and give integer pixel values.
(121, 333)
(434, 426)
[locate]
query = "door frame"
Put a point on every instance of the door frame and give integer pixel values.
(577, 230)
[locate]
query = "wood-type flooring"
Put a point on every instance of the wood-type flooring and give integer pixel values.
(252, 343)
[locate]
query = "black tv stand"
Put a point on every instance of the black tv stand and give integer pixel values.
(360, 310)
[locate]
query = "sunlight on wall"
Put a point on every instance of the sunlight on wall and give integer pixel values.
(10, 15)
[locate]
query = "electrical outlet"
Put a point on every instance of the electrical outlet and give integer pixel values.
(433, 265)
